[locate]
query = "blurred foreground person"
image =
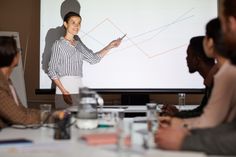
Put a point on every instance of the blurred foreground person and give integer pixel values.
(198, 61)
(218, 140)
(11, 109)
(223, 97)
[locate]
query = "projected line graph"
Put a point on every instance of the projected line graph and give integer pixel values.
(137, 41)
(149, 57)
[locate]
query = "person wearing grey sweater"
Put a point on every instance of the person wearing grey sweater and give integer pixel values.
(220, 140)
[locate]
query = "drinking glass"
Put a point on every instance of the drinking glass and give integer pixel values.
(45, 112)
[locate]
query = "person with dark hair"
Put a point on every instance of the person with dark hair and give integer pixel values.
(223, 97)
(54, 34)
(197, 61)
(216, 138)
(68, 54)
(11, 109)
(228, 20)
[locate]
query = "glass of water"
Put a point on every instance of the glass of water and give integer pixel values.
(45, 112)
(181, 100)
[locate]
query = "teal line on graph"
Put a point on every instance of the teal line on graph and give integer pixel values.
(130, 39)
(177, 20)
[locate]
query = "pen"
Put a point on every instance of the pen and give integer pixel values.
(123, 36)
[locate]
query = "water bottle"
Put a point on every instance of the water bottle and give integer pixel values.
(87, 110)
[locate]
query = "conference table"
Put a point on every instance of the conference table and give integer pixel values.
(45, 145)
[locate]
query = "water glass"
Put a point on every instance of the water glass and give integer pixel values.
(181, 100)
(152, 117)
(45, 112)
(124, 139)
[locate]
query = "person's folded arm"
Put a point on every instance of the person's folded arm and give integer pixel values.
(213, 144)
(16, 114)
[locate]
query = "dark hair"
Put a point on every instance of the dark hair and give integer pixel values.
(196, 44)
(229, 7)
(214, 31)
(229, 10)
(8, 50)
(69, 15)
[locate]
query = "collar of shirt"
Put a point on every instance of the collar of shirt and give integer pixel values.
(210, 77)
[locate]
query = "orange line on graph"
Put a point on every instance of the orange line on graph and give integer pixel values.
(119, 29)
(129, 38)
(164, 52)
(160, 30)
(158, 53)
(95, 27)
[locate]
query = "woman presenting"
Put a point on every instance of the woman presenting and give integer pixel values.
(68, 54)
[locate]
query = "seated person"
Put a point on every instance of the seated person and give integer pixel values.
(11, 109)
(219, 140)
(223, 97)
(197, 61)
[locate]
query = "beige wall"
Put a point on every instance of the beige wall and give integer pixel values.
(23, 16)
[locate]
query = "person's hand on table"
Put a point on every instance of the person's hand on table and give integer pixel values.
(172, 122)
(170, 138)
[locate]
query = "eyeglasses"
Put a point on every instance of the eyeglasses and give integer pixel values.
(19, 50)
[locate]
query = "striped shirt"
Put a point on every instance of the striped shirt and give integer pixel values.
(67, 60)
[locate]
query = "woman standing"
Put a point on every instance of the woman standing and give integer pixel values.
(68, 54)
